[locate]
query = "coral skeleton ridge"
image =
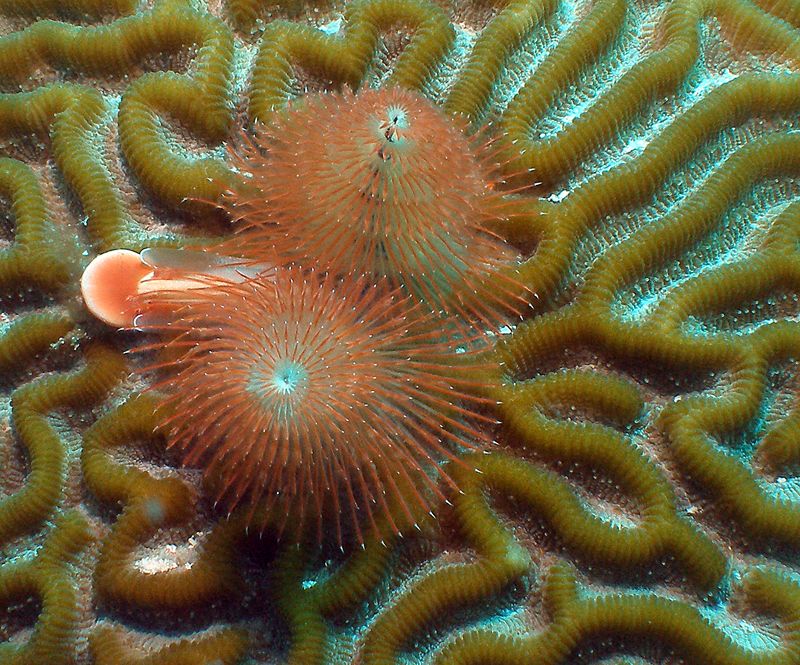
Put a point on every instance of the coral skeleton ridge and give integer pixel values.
(546, 254)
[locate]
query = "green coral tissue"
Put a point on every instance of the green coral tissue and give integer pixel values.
(624, 486)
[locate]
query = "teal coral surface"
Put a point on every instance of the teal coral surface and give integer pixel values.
(642, 501)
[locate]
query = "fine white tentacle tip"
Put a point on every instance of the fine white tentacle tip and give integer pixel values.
(109, 284)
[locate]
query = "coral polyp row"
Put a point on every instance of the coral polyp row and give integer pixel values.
(641, 502)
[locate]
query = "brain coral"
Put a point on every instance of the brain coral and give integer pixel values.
(642, 504)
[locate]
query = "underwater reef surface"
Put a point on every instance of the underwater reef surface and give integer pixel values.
(642, 502)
